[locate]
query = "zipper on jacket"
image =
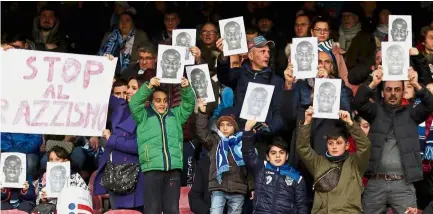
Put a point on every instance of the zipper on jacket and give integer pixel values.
(255, 74)
(318, 179)
(163, 142)
(274, 199)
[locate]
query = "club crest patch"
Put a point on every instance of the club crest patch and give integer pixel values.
(268, 179)
(289, 181)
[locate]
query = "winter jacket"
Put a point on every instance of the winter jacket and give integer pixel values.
(23, 143)
(160, 139)
(140, 38)
(56, 36)
(346, 196)
(274, 193)
(8, 194)
(404, 120)
(122, 146)
(236, 180)
(238, 79)
(198, 196)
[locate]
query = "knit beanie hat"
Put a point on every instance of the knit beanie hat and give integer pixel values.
(227, 116)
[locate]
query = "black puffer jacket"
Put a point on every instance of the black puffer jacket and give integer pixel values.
(274, 193)
(404, 120)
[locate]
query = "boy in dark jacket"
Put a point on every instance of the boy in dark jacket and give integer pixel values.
(21, 199)
(228, 176)
(279, 188)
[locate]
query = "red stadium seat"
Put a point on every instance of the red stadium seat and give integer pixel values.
(183, 202)
(96, 200)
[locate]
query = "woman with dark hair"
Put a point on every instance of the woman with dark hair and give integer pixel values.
(58, 154)
(123, 42)
(122, 147)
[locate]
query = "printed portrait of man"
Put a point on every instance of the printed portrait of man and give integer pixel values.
(257, 101)
(58, 178)
(326, 97)
(184, 40)
(12, 169)
(304, 56)
(399, 30)
(199, 83)
(232, 32)
(395, 56)
(170, 63)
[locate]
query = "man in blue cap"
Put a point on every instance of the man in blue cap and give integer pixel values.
(254, 69)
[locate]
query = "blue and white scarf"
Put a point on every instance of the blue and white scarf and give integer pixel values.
(234, 145)
(285, 170)
(116, 43)
(326, 46)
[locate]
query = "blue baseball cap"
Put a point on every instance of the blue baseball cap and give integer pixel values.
(259, 42)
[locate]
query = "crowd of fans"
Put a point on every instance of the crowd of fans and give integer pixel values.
(377, 156)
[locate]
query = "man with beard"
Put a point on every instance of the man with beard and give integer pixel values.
(399, 30)
(256, 102)
(57, 178)
(170, 63)
(12, 169)
(46, 34)
(199, 83)
(395, 161)
(232, 32)
(395, 56)
(326, 97)
(184, 40)
(304, 56)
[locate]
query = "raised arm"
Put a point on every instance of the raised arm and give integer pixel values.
(186, 107)
(363, 144)
(303, 147)
(362, 103)
(420, 113)
(138, 101)
(252, 161)
(226, 76)
(204, 135)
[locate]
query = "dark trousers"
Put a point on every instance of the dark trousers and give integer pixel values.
(25, 206)
(162, 192)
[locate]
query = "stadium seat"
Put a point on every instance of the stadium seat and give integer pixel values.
(183, 202)
(122, 212)
(12, 212)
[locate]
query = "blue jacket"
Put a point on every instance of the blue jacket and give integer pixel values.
(23, 143)
(274, 193)
(238, 79)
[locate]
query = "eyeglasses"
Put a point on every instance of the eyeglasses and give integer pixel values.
(210, 32)
(320, 30)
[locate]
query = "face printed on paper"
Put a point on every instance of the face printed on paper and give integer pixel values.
(326, 97)
(170, 63)
(199, 83)
(304, 56)
(58, 178)
(12, 169)
(395, 55)
(233, 35)
(257, 101)
(399, 30)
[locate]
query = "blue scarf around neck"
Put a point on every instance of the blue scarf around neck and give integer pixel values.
(234, 145)
(285, 170)
(116, 43)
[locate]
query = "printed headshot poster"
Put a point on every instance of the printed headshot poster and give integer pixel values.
(257, 101)
(400, 29)
(395, 60)
(185, 38)
(326, 101)
(234, 37)
(304, 57)
(13, 165)
(199, 77)
(57, 177)
(170, 64)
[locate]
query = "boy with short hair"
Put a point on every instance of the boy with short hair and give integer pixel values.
(279, 188)
(229, 179)
(160, 143)
(338, 174)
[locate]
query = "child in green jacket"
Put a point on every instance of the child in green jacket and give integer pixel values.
(160, 143)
